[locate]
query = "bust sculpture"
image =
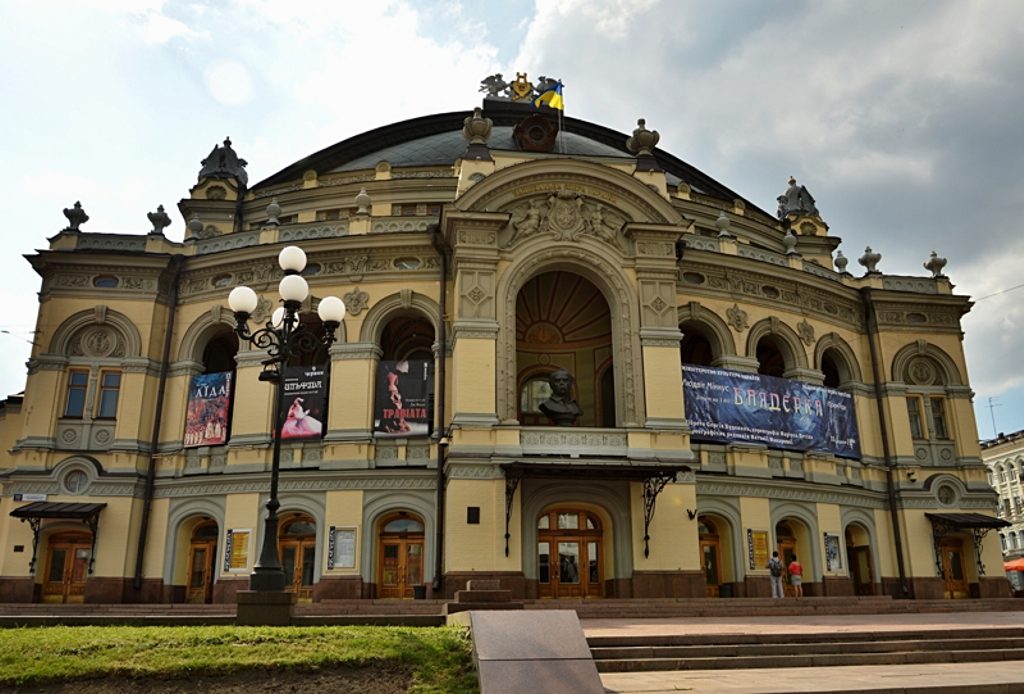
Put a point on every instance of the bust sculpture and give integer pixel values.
(560, 408)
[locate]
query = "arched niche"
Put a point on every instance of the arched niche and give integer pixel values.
(834, 347)
(783, 337)
(599, 266)
(98, 332)
(698, 318)
(394, 305)
(948, 373)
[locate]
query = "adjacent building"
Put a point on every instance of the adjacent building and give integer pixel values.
(739, 389)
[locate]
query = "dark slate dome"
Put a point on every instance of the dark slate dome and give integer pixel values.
(437, 140)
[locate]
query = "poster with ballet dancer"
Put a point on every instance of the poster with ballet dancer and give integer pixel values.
(209, 405)
(305, 398)
(404, 403)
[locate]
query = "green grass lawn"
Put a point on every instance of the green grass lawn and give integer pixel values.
(439, 657)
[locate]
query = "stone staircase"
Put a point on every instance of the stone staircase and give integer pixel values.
(681, 608)
(744, 651)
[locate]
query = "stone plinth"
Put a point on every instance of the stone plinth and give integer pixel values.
(258, 608)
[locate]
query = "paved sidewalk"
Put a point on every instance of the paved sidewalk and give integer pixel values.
(1004, 677)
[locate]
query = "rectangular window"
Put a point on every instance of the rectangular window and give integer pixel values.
(914, 412)
(939, 419)
(78, 382)
(110, 389)
(407, 210)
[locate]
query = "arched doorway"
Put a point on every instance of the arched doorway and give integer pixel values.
(202, 561)
(711, 555)
(297, 546)
(785, 540)
(400, 552)
(570, 554)
(67, 566)
(858, 556)
(954, 568)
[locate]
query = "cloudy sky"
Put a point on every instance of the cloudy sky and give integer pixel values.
(904, 120)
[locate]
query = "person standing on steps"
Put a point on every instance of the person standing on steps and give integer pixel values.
(775, 571)
(796, 577)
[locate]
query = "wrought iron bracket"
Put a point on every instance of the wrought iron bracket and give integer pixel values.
(93, 523)
(978, 535)
(511, 484)
(35, 524)
(652, 488)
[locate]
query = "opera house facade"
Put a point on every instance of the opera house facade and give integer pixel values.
(569, 361)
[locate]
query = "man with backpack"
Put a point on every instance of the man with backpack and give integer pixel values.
(775, 570)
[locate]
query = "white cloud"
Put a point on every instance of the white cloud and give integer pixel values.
(228, 82)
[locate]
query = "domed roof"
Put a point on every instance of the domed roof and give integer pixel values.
(437, 140)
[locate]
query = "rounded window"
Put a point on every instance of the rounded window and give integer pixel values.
(75, 482)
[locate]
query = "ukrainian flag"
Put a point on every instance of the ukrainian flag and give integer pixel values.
(552, 97)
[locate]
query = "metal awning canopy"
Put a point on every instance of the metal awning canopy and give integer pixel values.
(654, 478)
(54, 509)
(967, 520)
(978, 524)
(35, 513)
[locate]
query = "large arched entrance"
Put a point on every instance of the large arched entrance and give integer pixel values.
(67, 566)
(858, 556)
(400, 555)
(563, 322)
(202, 562)
(297, 547)
(570, 554)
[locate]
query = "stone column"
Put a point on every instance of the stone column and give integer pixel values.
(656, 273)
(474, 377)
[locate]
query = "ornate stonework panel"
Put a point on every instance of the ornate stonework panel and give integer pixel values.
(97, 341)
(737, 318)
(775, 289)
(476, 294)
(356, 301)
(657, 304)
(565, 215)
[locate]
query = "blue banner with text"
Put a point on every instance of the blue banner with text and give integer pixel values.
(735, 407)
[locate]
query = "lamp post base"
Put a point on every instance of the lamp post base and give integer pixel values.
(262, 608)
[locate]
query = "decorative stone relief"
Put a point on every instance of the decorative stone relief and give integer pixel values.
(737, 318)
(477, 294)
(806, 332)
(657, 304)
(920, 372)
(356, 301)
(565, 214)
(476, 237)
(405, 297)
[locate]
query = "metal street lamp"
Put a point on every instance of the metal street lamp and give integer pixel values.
(283, 337)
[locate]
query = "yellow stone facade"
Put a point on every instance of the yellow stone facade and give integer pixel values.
(502, 261)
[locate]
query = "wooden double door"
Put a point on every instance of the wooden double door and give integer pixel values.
(67, 567)
(296, 545)
(202, 563)
(570, 555)
(954, 569)
(400, 556)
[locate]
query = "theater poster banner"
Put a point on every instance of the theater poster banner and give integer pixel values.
(209, 402)
(735, 407)
(304, 404)
(403, 398)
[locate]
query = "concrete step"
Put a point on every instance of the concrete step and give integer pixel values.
(798, 640)
(809, 660)
(734, 650)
